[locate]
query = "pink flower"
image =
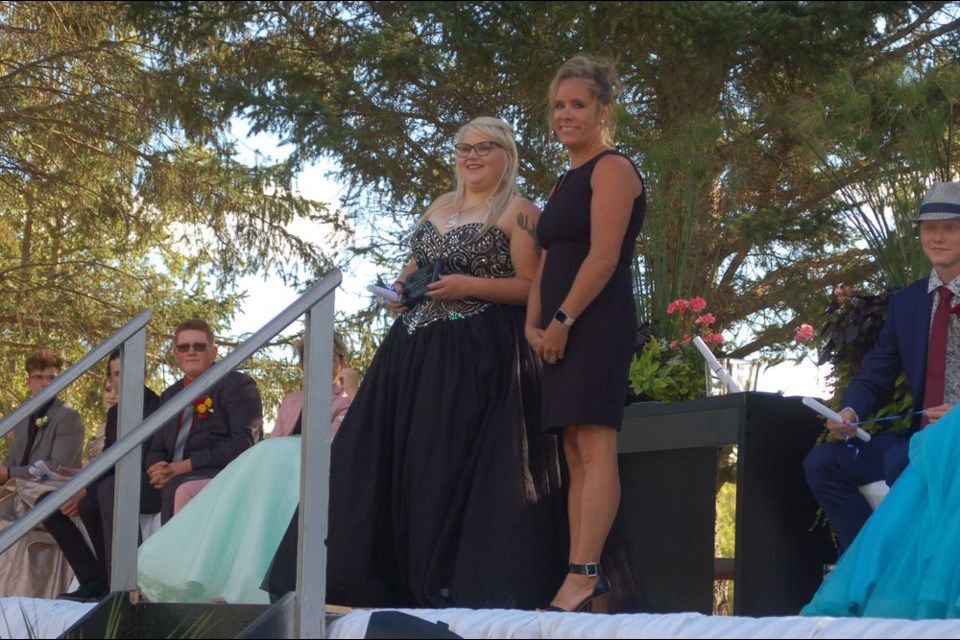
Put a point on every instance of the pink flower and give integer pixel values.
(804, 333)
(673, 344)
(706, 318)
(686, 338)
(678, 305)
(715, 338)
(698, 304)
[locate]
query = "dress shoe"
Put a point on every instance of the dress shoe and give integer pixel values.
(602, 587)
(87, 592)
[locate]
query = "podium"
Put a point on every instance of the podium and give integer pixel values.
(668, 473)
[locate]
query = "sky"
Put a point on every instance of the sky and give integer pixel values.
(267, 295)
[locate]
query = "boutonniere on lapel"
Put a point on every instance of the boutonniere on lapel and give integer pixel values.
(42, 421)
(203, 407)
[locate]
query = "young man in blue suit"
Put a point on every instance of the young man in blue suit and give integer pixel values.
(909, 343)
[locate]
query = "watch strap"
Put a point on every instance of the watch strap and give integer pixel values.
(563, 318)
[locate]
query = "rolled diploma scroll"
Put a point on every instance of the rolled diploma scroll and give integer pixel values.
(830, 414)
(715, 366)
(387, 294)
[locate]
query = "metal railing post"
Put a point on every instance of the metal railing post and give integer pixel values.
(315, 471)
(126, 505)
(101, 464)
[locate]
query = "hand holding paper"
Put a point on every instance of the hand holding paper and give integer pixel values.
(833, 416)
(387, 294)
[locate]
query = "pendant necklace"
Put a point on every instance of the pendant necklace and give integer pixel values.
(453, 220)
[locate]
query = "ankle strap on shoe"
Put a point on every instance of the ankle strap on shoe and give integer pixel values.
(591, 569)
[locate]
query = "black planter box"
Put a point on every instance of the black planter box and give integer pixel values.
(668, 468)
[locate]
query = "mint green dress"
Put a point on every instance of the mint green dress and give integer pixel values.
(222, 542)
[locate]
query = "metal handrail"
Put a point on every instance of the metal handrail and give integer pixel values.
(79, 368)
(131, 340)
(315, 454)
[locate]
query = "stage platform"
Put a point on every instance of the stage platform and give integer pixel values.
(36, 618)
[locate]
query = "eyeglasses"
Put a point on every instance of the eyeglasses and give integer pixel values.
(199, 347)
(39, 378)
(482, 148)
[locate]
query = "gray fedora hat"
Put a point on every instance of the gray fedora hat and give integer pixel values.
(942, 202)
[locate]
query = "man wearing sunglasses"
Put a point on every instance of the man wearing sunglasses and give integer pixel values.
(212, 430)
(53, 434)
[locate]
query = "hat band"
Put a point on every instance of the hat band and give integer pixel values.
(939, 207)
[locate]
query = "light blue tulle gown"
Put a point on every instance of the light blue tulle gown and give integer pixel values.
(222, 542)
(905, 563)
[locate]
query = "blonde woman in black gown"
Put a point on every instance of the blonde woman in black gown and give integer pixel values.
(443, 490)
(581, 317)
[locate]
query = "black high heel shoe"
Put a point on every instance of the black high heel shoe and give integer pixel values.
(591, 570)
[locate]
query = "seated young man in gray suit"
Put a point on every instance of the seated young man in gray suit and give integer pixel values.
(53, 433)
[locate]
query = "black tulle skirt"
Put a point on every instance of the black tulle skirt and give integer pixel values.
(444, 492)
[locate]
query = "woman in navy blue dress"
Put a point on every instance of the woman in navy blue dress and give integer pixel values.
(581, 317)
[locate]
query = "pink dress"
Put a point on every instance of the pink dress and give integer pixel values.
(292, 405)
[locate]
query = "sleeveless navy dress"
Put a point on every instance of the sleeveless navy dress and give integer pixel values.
(589, 385)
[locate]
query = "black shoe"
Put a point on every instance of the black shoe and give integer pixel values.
(591, 570)
(87, 592)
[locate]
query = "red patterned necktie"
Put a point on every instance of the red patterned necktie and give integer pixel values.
(937, 355)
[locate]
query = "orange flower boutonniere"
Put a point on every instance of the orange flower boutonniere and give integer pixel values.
(203, 407)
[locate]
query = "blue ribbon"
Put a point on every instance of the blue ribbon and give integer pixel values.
(853, 445)
(888, 418)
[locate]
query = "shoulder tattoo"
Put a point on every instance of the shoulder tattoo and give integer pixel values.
(530, 229)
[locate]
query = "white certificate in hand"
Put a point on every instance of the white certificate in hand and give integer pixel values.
(387, 294)
(832, 415)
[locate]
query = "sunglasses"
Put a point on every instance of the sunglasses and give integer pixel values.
(199, 347)
(40, 378)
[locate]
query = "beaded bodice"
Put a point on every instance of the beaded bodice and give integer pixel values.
(460, 250)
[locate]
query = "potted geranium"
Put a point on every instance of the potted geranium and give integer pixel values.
(668, 369)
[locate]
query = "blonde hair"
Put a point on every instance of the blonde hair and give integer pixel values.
(493, 130)
(604, 85)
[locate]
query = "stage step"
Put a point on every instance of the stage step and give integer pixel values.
(117, 617)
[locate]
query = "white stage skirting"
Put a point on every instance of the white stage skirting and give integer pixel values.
(34, 618)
